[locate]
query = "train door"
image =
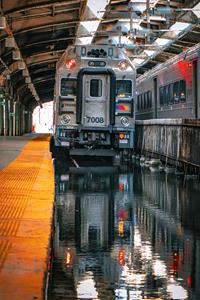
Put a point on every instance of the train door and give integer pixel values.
(195, 90)
(155, 89)
(96, 100)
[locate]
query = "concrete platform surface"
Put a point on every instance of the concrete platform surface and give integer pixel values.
(10, 147)
(26, 202)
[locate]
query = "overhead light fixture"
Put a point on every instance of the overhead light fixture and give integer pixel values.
(21, 65)
(10, 42)
(2, 22)
(28, 80)
(16, 55)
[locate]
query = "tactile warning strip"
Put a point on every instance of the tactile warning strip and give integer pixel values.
(26, 201)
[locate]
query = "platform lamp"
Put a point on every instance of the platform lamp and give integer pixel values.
(16, 55)
(2, 22)
(28, 79)
(10, 42)
(21, 65)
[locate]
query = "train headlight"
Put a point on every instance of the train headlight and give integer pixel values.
(123, 65)
(124, 121)
(65, 119)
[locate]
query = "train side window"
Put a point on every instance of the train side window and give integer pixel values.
(95, 88)
(182, 90)
(164, 95)
(161, 91)
(138, 99)
(176, 92)
(171, 98)
(68, 87)
(167, 94)
(139, 103)
(145, 100)
(142, 101)
(124, 88)
(150, 99)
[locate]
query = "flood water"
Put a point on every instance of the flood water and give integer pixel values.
(125, 234)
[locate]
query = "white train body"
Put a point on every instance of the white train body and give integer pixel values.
(94, 101)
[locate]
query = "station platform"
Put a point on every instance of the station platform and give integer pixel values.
(26, 204)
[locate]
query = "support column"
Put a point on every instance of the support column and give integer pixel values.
(1, 119)
(6, 118)
(2, 104)
(11, 117)
(17, 115)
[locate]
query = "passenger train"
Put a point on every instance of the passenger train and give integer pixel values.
(94, 102)
(171, 89)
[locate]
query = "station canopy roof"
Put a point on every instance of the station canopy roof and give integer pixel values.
(35, 33)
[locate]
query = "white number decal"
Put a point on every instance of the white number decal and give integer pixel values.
(95, 119)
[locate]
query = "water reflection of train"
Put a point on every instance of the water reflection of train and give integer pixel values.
(111, 244)
(169, 214)
(89, 216)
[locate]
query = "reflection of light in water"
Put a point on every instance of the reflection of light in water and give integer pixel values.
(132, 278)
(146, 252)
(86, 288)
(176, 291)
(137, 238)
(159, 268)
(121, 294)
(124, 294)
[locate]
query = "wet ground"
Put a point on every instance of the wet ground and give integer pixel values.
(125, 234)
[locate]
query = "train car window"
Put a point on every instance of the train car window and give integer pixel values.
(139, 102)
(145, 101)
(171, 98)
(95, 88)
(161, 91)
(68, 86)
(142, 101)
(138, 99)
(124, 88)
(182, 90)
(150, 99)
(176, 92)
(167, 94)
(164, 95)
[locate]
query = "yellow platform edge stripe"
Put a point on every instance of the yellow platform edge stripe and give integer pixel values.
(26, 206)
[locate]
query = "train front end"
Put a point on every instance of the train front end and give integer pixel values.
(94, 105)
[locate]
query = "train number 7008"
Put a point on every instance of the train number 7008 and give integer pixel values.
(95, 119)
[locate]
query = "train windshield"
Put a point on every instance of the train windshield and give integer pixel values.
(124, 88)
(68, 86)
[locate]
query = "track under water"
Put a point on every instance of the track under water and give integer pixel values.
(124, 233)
